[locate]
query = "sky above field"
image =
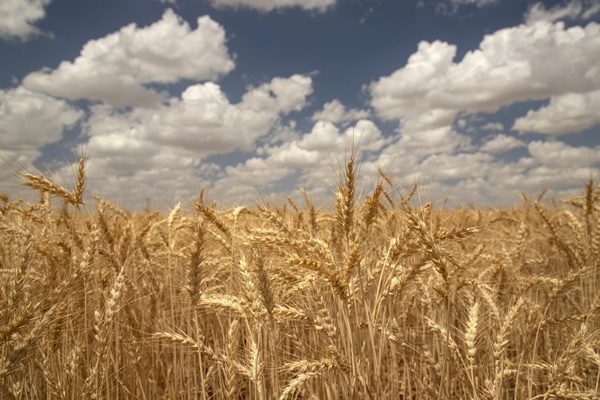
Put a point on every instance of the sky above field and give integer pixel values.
(477, 100)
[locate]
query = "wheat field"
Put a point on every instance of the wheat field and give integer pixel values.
(379, 297)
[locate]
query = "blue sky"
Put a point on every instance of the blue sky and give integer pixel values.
(478, 100)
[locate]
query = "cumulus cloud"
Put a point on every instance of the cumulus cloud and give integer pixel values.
(510, 65)
(493, 126)
(165, 146)
(528, 176)
(205, 121)
(432, 138)
(306, 161)
(565, 114)
(325, 137)
(574, 9)
(160, 146)
(483, 178)
(501, 143)
(456, 166)
(17, 17)
(559, 155)
(281, 94)
(324, 143)
(115, 68)
(433, 93)
(336, 112)
(459, 177)
(202, 120)
(161, 177)
(407, 89)
(552, 165)
(30, 120)
(269, 5)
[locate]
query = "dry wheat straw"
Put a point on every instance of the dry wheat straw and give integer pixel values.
(373, 299)
(312, 213)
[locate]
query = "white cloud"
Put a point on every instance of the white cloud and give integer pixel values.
(573, 9)
(203, 120)
(432, 92)
(164, 177)
(281, 94)
(336, 112)
(325, 137)
(519, 178)
(559, 155)
(366, 136)
(568, 113)
(248, 182)
(307, 159)
(159, 152)
(425, 142)
(126, 165)
(501, 143)
(313, 158)
(460, 177)
(294, 156)
(456, 166)
(269, 5)
(123, 152)
(115, 68)
(411, 88)
(17, 17)
(324, 143)
(482, 178)
(30, 120)
(510, 65)
(493, 126)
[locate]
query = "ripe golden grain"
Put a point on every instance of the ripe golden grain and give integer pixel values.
(374, 298)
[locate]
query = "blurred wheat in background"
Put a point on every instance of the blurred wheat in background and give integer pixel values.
(381, 297)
